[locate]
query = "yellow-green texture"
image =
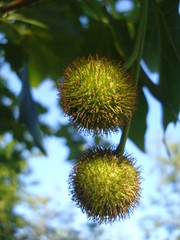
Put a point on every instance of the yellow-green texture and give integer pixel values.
(104, 185)
(97, 94)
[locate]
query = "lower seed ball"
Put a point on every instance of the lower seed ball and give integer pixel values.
(105, 186)
(98, 95)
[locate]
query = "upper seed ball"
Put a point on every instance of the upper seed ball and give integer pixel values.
(98, 95)
(105, 186)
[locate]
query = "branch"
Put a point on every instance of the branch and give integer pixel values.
(15, 4)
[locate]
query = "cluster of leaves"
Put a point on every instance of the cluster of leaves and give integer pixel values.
(11, 166)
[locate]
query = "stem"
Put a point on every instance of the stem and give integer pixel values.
(138, 51)
(122, 143)
(135, 52)
(140, 36)
(15, 4)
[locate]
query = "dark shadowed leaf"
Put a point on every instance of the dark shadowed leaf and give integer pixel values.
(138, 124)
(162, 53)
(28, 110)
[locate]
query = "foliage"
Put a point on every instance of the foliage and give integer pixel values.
(12, 165)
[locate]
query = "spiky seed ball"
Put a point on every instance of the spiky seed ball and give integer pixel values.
(97, 94)
(104, 185)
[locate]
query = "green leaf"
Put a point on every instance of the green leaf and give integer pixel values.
(151, 52)
(19, 17)
(11, 33)
(14, 55)
(47, 58)
(170, 59)
(51, 18)
(138, 124)
(42, 61)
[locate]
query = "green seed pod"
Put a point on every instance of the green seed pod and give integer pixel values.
(98, 95)
(104, 185)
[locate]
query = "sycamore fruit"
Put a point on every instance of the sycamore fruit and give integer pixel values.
(98, 95)
(104, 185)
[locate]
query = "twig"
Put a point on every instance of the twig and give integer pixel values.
(15, 5)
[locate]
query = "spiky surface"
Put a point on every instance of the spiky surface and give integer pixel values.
(105, 186)
(97, 95)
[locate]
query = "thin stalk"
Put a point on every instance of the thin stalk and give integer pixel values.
(139, 46)
(122, 143)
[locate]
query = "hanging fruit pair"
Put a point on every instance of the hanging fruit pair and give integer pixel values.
(99, 97)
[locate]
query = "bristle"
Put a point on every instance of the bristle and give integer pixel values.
(98, 95)
(105, 186)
